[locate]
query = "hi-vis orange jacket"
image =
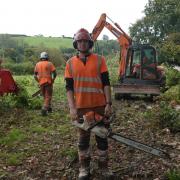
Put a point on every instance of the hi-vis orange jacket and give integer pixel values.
(88, 87)
(44, 70)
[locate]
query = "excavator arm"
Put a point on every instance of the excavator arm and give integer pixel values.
(124, 40)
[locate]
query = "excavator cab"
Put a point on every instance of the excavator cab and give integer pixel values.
(141, 75)
(141, 63)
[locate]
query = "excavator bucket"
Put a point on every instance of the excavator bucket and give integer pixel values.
(7, 83)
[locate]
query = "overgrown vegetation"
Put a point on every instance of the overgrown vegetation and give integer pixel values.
(173, 175)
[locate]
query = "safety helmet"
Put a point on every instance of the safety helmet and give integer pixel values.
(44, 55)
(82, 34)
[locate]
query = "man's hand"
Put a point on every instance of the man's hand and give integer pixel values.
(73, 114)
(108, 110)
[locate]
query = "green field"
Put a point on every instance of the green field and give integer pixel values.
(50, 42)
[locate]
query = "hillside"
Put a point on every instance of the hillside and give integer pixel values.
(49, 42)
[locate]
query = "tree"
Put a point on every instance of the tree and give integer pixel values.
(170, 49)
(161, 21)
(162, 17)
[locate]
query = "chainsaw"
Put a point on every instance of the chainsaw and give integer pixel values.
(96, 125)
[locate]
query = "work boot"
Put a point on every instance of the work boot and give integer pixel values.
(84, 174)
(44, 112)
(84, 170)
(106, 174)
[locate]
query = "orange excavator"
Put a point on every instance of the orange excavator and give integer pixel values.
(138, 69)
(7, 83)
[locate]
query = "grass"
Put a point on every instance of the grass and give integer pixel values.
(50, 42)
(12, 158)
(12, 137)
(27, 133)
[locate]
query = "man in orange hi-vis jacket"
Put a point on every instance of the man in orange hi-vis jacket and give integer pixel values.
(45, 74)
(88, 89)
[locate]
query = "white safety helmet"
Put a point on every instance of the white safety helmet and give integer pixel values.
(44, 55)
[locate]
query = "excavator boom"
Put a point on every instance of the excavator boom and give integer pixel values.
(138, 68)
(124, 40)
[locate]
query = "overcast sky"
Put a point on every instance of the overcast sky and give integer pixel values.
(65, 17)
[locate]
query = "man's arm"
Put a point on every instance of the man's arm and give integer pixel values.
(70, 98)
(53, 75)
(107, 92)
(35, 76)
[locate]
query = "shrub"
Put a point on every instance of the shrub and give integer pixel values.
(164, 116)
(20, 68)
(172, 94)
(173, 175)
(22, 99)
(172, 77)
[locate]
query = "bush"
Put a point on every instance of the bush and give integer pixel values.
(20, 68)
(172, 77)
(22, 99)
(172, 94)
(164, 116)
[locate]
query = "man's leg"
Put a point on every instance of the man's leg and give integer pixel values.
(49, 97)
(84, 154)
(47, 94)
(43, 110)
(102, 145)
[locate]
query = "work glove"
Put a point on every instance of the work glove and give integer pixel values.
(73, 114)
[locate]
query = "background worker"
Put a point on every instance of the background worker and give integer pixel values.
(88, 89)
(45, 74)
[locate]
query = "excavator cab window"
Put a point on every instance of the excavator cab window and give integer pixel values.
(148, 64)
(133, 63)
(141, 63)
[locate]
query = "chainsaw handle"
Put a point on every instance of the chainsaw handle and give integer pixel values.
(106, 123)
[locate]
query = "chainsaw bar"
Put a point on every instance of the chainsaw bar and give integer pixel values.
(102, 132)
(138, 145)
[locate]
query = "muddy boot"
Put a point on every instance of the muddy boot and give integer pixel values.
(84, 174)
(105, 173)
(44, 112)
(84, 170)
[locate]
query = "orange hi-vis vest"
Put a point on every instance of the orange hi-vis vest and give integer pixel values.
(44, 70)
(88, 87)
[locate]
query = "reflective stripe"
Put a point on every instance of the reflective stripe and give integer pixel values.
(88, 89)
(88, 79)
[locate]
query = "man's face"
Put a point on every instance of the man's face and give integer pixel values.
(83, 45)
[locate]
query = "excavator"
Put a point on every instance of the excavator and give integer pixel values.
(7, 83)
(138, 70)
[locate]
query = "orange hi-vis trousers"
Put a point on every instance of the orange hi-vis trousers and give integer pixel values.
(47, 90)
